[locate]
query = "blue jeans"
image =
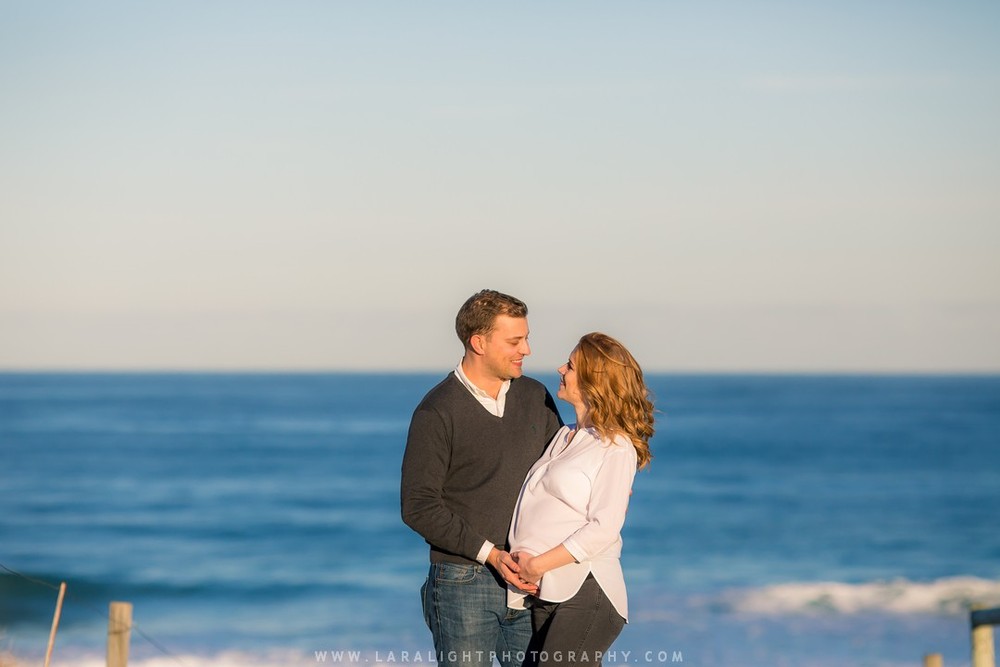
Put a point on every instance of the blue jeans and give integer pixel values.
(465, 607)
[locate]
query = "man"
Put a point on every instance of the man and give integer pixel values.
(471, 442)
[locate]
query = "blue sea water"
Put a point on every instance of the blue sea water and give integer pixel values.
(253, 519)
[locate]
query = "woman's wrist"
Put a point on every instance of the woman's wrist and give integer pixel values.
(552, 559)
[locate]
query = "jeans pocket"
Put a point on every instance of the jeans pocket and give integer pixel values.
(455, 573)
(424, 604)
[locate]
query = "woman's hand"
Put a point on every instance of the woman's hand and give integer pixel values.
(507, 566)
(528, 569)
(531, 568)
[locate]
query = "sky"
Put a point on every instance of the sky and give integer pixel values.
(723, 186)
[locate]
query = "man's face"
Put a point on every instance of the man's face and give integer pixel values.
(505, 348)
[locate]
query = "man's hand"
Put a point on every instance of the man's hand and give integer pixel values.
(508, 568)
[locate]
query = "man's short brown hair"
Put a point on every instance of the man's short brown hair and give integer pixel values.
(478, 315)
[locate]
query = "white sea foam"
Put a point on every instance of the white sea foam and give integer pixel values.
(221, 659)
(274, 657)
(949, 596)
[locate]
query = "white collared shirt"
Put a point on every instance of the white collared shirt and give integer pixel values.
(576, 495)
(495, 407)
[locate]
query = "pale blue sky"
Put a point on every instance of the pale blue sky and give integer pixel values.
(308, 185)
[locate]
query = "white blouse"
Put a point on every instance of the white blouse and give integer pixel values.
(576, 495)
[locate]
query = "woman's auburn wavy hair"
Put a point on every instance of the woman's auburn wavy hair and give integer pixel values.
(618, 400)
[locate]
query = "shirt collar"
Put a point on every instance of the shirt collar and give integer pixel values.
(495, 406)
(480, 393)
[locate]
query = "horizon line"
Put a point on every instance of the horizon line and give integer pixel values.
(154, 370)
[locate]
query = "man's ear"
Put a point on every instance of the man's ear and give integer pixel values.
(476, 342)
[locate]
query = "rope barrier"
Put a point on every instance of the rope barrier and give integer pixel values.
(31, 579)
(133, 627)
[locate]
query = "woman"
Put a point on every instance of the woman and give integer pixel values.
(566, 532)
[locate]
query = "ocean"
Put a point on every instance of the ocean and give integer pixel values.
(253, 519)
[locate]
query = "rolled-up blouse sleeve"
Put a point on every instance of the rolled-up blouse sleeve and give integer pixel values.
(608, 503)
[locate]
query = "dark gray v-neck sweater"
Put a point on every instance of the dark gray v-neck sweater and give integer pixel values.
(463, 467)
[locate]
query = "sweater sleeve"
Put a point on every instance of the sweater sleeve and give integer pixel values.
(425, 467)
(608, 504)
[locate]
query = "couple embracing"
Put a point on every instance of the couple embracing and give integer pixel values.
(523, 514)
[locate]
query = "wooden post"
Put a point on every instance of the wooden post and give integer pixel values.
(982, 637)
(933, 660)
(55, 623)
(119, 631)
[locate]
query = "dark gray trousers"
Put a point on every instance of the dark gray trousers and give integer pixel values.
(576, 632)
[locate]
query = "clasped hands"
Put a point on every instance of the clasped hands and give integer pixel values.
(517, 569)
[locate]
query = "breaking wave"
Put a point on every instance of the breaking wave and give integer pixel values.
(948, 596)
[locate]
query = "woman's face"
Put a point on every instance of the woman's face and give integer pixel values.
(569, 388)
